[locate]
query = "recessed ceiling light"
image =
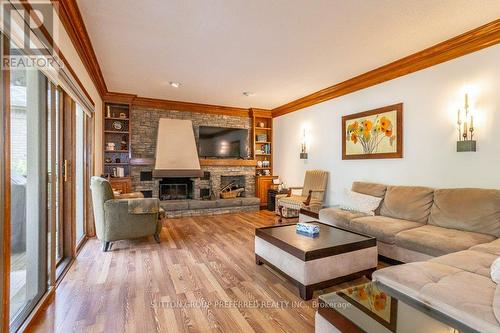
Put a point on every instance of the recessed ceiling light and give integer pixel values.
(174, 84)
(248, 93)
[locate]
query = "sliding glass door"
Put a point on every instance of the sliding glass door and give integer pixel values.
(80, 198)
(28, 191)
(47, 153)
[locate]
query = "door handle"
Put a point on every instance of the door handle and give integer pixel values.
(65, 170)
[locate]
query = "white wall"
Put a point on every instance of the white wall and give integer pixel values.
(431, 98)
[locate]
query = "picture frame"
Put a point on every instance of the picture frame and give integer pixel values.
(373, 134)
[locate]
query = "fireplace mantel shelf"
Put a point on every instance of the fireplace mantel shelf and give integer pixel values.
(203, 162)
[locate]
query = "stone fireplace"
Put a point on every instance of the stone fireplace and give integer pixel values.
(188, 194)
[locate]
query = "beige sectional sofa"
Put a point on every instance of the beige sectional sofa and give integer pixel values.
(455, 230)
(419, 223)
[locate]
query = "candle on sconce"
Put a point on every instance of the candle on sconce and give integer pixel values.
(465, 121)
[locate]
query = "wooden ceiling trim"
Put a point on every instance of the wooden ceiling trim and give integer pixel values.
(471, 41)
(72, 20)
(154, 103)
(188, 106)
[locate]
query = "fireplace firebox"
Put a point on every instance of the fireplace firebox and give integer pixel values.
(176, 189)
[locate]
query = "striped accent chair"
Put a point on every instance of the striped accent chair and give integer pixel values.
(313, 193)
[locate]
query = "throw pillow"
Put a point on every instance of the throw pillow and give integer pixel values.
(359, 202)
(495, 270)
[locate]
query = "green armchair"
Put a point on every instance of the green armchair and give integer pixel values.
(117, 219)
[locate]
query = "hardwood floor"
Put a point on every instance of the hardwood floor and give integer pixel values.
(201, 278)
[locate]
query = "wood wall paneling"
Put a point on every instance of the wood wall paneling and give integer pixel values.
(72, 20)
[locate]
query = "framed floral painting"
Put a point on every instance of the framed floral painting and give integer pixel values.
(373, 134)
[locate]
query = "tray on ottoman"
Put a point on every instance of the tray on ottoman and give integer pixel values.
(335, 256)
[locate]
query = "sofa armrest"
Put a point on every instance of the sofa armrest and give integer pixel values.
(120, 224)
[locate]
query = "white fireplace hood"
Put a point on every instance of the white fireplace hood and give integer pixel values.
(176, 152)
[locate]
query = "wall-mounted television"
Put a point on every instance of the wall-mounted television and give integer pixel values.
(222, 142)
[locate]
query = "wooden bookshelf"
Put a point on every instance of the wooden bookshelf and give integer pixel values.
(262, 132)
(117, 130)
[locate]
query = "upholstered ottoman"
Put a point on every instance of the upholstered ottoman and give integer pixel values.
(335, 256)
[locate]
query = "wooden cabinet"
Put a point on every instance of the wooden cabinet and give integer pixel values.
(124, 185)
(262, 184)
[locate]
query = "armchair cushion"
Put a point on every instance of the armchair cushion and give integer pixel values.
(293, 202)
(291, 205)
(143, 206)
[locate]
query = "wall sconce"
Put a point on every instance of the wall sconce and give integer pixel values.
(466, 129)
(303, 146)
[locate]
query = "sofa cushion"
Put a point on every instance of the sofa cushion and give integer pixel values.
(457, 293)
(202, 204)
(373, 189)
(437, 241)
(250, 201)
(468, 209)
(491, 247)
(381, 227)
(338, 217)
(410, 278)
(360, 202)
(228, 202)
(411, 203)
(470, 261)
(170, 205)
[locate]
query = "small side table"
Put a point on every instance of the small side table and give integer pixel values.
(271, 198)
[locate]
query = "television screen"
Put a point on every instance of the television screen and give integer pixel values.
(221, 142)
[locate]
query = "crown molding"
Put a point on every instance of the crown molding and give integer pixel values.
(72, 20)
(116, 97)
(188, 106)
(256, 112)
(471, 41)
(155, 103)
